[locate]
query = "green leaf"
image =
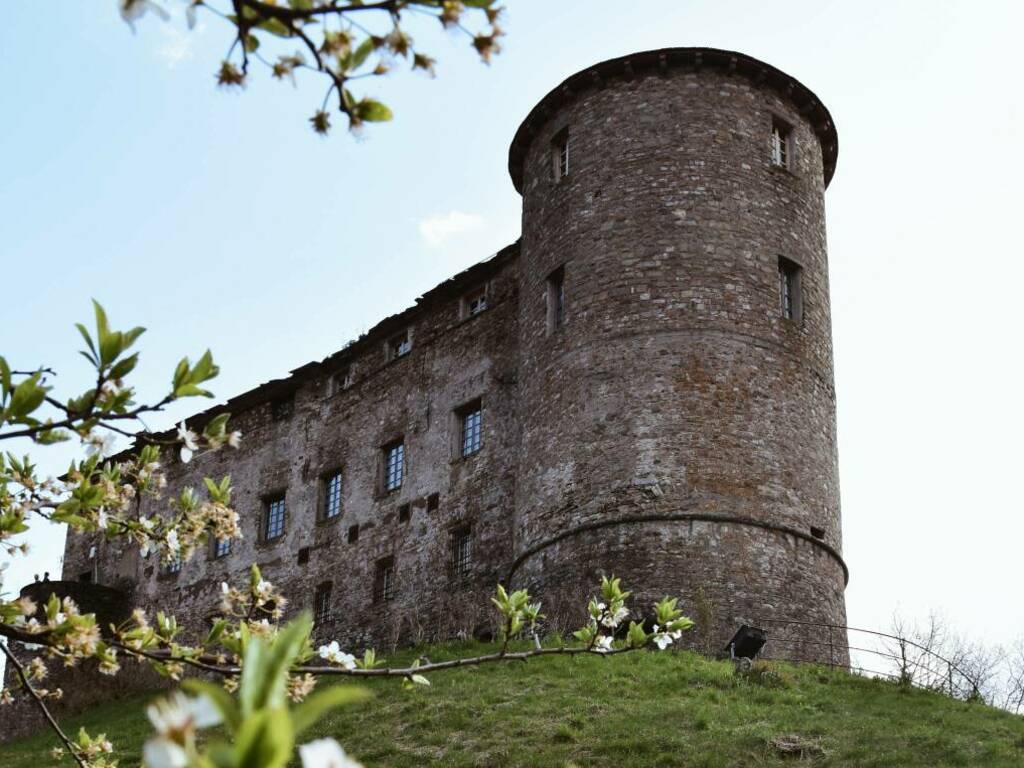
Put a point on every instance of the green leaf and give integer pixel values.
(265, 740)
(275, 27)
(373, 111)
(5, 377)
(251, 43)
(27, 396)
(91, 355)
(319, 703)
(365, 49)
(124, 367)
(220, 698)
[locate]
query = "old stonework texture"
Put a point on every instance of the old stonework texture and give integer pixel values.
(641, 386)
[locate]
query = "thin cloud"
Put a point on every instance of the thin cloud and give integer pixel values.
(438, 229)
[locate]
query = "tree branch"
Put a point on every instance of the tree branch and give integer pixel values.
(42, 705)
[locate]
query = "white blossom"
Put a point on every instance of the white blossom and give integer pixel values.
(234, 439)
(335, 655)
(188, 442)
(613, 620)
(135, 9)
(663, 640)
(99, 445)
(603, 644)
(163, 753)
(325, 753)
(172, 542)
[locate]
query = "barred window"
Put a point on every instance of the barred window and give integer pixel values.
(790, 289)
(560, 154)
(462, 551)
(384, 581)
(394, 465)
(322, 604)
(332, 495)
(174, 566)
(221, 547)
(273, 525)
(471, 419)
(782, 141)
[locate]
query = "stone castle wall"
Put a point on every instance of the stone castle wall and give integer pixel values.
(675, 430)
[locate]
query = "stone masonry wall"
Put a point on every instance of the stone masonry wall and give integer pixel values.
(676, 430)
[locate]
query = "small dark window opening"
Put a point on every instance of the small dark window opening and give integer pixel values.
(462, 551)
(273, 518)
(560, 154)
(556, 299)
(322, 604)
(85, 576)
(282, 409)
(475, 302)
(174, 566)
(404, 513)
(384, 580)
(818, 533)
(394, 465)
(790, 289)
(221, 547)
(303, 555)
(333, 483)
(400, 345)
(782, 144)
(433, 502)
(353, 534)
(343, 379)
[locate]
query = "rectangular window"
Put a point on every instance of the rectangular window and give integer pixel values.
(560, 154)
(400, 345)
(433, 502)
(394, 465)
(273, 518)
(556, 299)
(342, 380)
(353, 533)
(174, 566)
(384, 580)
(404, 513)
(790, 290)
(782, 144)
(322, 604)
(470, 418)
(332, 495)
(474, 303)
(462, 551)
(221, 547)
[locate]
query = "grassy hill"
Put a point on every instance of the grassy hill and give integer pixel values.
(645, 709)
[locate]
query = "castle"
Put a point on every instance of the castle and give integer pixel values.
(641, 386)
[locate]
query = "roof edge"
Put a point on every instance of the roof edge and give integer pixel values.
(660, 60)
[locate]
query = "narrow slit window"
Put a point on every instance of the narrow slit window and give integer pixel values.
(322, 604)
(333, 483)
(273, 526)
(782, 144)
(462, 551)
(556, 299)
(353, 534)
(471, 419)
(394, 466)
(790, 290)
(384, 580)
(560, 154)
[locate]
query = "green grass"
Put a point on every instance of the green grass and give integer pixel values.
(644, 709)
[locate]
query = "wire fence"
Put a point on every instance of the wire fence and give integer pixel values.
(868, 652)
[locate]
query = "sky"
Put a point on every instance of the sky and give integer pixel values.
(220, 220)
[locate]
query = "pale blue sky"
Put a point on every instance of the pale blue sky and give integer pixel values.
(218, 219)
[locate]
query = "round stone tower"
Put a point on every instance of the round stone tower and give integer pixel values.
(678, 406)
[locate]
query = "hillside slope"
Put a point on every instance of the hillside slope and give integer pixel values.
(647, 709)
